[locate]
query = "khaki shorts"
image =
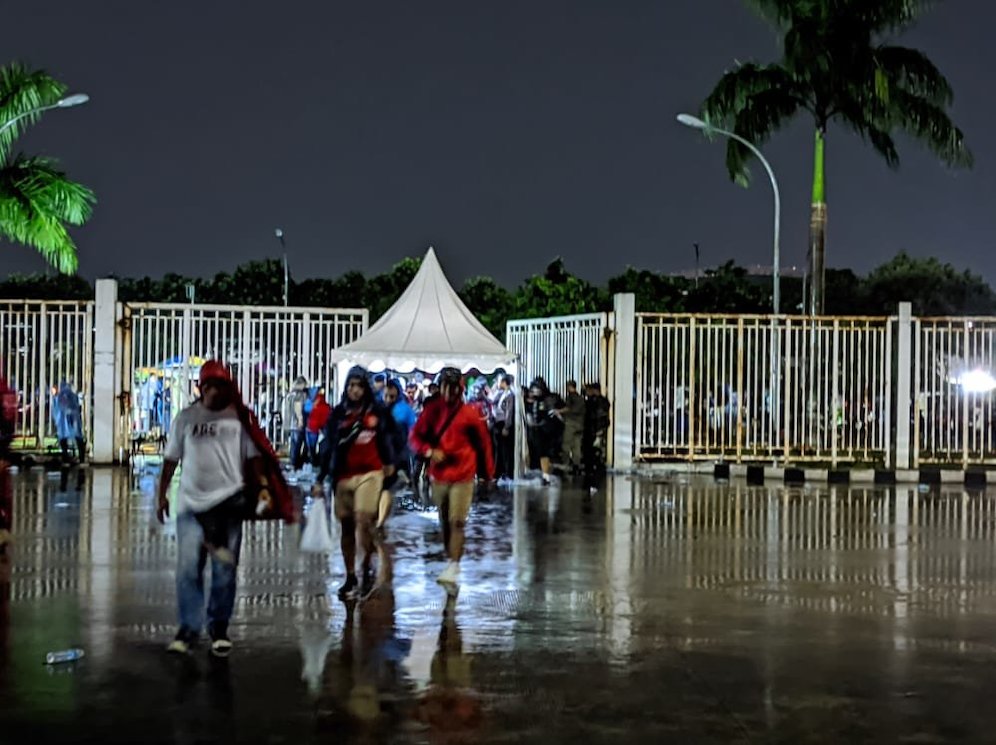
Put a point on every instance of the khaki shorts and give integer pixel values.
(457, 496)
(359, 494)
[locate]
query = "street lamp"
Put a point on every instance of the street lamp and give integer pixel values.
(695, 123)
(76, 99)
(279, 233)
(776, 292)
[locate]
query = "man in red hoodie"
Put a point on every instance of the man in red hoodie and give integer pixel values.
(453, 438)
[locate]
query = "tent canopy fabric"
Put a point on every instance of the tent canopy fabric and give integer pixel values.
(428, 328)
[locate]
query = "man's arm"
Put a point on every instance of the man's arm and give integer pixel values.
(169, 468)
(327, 448)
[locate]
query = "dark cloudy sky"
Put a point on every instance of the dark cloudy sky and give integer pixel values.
(504, 133)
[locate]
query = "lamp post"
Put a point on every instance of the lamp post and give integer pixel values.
(63, 103)
(776, 285)
(695, 123)
(280, 237)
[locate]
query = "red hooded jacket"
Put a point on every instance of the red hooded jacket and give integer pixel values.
(319, 415)
(465, 442)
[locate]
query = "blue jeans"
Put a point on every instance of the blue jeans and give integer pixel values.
(191, 559)
(297, 448)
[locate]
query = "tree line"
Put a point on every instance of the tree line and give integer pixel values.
(933, 287)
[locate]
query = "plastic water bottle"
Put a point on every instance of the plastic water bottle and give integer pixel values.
(66, 655)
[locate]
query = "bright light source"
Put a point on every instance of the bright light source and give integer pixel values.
(976, 381)
(692, 121)
(75, 100)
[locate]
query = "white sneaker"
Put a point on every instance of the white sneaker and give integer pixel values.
(450, 578)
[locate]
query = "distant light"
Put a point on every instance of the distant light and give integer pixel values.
(976, 381)
(279, 233)
(76, 99)
(692, 121)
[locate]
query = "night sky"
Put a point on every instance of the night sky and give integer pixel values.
(502, 133)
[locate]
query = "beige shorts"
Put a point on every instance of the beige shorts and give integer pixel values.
(359, 494)
(458, 496)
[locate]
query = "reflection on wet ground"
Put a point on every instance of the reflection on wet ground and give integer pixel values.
(656, 611)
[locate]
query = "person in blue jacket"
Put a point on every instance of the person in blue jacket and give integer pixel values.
(404, 417)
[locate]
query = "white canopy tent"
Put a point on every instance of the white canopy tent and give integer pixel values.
(427, 329)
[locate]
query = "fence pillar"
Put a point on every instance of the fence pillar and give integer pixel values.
(105, 406)
(624, 305)
(904, 388)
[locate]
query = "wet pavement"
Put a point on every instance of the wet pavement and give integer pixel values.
(657, 611)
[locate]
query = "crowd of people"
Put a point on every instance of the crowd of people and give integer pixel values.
(564, 433)
(377, 434)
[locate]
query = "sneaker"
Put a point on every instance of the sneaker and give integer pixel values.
(349, 588)
(221, 645)
(182, 643)
(450, 579)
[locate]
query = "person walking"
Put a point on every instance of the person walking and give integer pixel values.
(546, 425)
(452, 438)
(217, 450)
(356, 454)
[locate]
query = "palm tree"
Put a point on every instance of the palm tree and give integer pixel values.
(37, 200)
(837, 65)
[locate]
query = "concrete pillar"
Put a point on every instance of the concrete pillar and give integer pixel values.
(624, 305)
(904, 387)
(105, 407)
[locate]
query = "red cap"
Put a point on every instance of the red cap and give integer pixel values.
(214, 370)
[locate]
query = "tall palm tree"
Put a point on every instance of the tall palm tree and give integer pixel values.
(837, 65)
(37, 200)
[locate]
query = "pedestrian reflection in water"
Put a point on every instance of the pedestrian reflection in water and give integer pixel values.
(365, 686)
(203, 701)
(450, 707)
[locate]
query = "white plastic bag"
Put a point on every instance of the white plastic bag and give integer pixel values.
(316, 538)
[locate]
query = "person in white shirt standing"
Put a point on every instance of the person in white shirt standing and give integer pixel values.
(215, 449)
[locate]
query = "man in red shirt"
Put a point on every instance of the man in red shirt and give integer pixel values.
(453, 438)
(357, 453)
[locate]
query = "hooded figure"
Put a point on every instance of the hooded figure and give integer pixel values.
(68, 420)
(546, 426)
(357, 452)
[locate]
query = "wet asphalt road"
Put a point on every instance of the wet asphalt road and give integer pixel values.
(658, 611)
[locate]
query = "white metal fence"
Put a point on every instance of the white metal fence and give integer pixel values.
(561, 348)
(704, 388)
(44, 344)
(954, 410)
(266, 348)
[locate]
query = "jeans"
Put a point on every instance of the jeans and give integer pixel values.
(311, 438)
(191, 559)
(297, 448)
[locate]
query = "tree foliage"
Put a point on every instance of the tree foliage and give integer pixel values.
(38, 201)
(933, 287)
(838, 65)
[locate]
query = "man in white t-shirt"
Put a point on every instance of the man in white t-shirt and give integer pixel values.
(209, 439)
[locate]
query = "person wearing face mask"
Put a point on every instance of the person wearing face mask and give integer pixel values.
(357, 454)
(217, 446)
